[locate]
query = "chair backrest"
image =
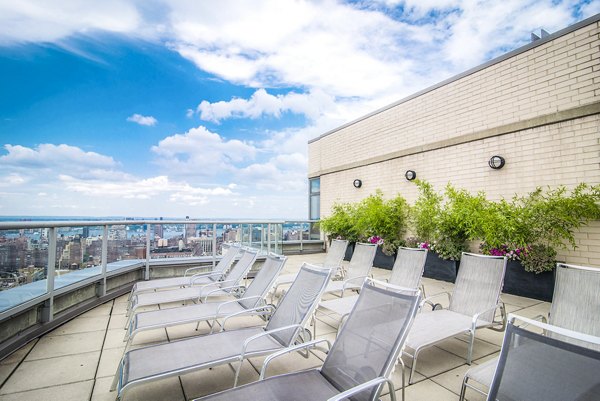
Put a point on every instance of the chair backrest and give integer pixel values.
(408, 267)
(576, 302)
(299, 302)
(362, 260)
(535, 367)
(227, 258)
(335, 254)
(263, 281)
(478, 284)
(370, 341)
(242, 267)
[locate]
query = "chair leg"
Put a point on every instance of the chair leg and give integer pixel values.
(237, 373)
(412, 368)
(463, 389)
(470, 351)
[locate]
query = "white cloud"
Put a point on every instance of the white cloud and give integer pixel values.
(142, 120)
(54, 156)
(201, 152)
(40, 21)
(262, 103)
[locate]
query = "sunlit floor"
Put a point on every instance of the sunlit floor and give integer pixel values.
(77, 361)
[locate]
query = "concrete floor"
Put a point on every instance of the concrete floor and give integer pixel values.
(77, 361)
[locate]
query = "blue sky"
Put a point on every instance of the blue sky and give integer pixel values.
(175, 108)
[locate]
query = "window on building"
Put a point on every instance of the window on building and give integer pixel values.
(314, 198)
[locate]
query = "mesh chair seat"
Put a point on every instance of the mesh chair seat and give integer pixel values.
(193, 353)
(181, 294)
(286, 278)
(432, 327)
(301, 386)
(152, 285)
(341, 306)
(162, 283)
(192, 313)
(535, 367)
(484, 373)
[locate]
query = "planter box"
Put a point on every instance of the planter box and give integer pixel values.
(440, 269)
(349, 251)
(382, 260)
(525, 284)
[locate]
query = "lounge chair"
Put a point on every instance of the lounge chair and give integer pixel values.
(250, 303)
(203, 287)
(575, 306)
(536, 367)
(407, 273)
(359, 363)
(186, 281)
(151, 363)
(473, 305)
(333, 260)
(358, 269)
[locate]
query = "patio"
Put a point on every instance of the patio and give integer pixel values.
(77, 360)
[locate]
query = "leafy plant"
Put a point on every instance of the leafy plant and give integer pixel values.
(385, 219)
(425, 212)
(341, 222)
(539, 258)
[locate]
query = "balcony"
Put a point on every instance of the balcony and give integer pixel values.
(77, 360)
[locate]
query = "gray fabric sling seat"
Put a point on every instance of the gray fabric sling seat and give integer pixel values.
(575, 306)
(536, 367)
(204, 287)
(333, 260)
(406, 272)
(186, 281)
(358, 269)
(358, 364)
(473, 304)
(151, 363)
(251, 302)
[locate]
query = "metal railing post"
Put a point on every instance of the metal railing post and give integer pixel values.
(147, 272)
(104, 258)
(268, 237)
(48, 309)
(214, 245)
(302, 237)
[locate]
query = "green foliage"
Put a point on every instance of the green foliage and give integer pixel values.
(552, 217)
(539, 258)
(373, 216)
(341, 222)
(388, 219)
(425, 212)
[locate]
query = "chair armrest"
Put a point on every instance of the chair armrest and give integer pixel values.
(362, 387)
(277, 354)
(221, 289)
(235, 300)
(196, 268)
(247, 311)
(350, 280)
(429, 298)
(198, 276)
(263, 334)
(478, 315)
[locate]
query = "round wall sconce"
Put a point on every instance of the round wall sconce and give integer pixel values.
(410, 175)
(497, 162)
(357, 183)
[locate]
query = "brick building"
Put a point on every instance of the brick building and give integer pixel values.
(538, 107)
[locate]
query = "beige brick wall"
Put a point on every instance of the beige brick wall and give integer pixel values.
(556, 76)
(553, 78)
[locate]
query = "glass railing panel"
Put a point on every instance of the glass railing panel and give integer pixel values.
(78, 254)
(23, 266)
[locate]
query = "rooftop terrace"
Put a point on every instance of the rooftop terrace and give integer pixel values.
(77, 360)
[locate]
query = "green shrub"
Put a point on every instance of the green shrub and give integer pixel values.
(539, 258)
(341, 222)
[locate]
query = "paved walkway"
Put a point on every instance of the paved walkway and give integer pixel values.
(77, 361)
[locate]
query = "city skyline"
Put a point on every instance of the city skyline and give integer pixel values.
(185, 109)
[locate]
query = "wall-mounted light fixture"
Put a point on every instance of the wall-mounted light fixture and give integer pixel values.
(410, 175)
(357, 183)
(496, 162)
